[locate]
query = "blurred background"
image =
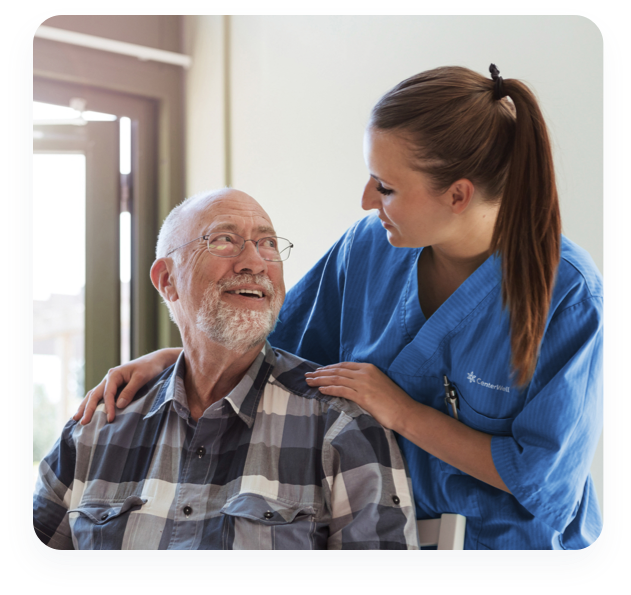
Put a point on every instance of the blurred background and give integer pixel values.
(131, 114)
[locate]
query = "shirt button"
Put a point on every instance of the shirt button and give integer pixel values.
(104, 516)
(201, 451)
(268, 515)
(187, 510)
(395, 499)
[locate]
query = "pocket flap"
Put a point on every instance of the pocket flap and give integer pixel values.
(102, 512)
(265, 510)
(483, 423)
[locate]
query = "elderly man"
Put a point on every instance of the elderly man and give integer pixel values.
(229, 448)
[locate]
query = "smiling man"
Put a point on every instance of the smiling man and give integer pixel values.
(229, 448)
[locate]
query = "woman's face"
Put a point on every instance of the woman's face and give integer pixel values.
(412, 214)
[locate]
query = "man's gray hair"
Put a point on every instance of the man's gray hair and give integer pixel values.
(172, 234)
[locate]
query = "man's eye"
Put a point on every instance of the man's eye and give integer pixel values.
(223, 239)
(269, 243)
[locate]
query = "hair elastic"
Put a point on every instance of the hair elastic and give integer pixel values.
(499, 82)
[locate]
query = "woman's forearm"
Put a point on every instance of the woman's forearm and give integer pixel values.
(449, 440)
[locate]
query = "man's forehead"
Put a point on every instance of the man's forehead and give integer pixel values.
(227, 224)
(233, 211)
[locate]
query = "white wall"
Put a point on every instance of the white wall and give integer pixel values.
(301, 93)
(302, 89)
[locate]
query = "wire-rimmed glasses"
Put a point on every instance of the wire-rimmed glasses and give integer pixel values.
(228, 245)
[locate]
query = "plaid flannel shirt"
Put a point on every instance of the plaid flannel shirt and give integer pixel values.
(273, 465)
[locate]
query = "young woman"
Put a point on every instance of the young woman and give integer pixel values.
(461, 285)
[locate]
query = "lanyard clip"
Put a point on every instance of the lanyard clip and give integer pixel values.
(451, 396)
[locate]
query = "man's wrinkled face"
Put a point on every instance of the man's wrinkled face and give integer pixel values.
(233, 301)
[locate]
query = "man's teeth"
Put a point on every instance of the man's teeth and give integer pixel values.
(255, 292)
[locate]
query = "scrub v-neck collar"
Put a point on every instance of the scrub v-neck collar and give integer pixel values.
(460, 308)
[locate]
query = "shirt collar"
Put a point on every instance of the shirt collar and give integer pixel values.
(243, 398)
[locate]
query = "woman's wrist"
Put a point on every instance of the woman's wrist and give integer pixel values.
(408, 412)
(169, 355)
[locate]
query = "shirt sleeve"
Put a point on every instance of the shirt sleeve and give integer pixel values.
(368, 487)
(309, 321)
(53, 491)
(546, 461)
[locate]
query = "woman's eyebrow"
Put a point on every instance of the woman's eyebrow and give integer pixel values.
(374, 177)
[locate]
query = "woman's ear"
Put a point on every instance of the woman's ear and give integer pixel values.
(460, 194)
(162, 279)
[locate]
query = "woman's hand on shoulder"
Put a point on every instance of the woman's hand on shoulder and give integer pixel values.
(366, 385)
(133, 374)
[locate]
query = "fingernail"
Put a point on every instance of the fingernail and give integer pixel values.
(121, 403)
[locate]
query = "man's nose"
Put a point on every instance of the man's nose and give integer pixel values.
(250, 260)
(371, 199)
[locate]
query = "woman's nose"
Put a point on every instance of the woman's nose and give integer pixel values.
(371, 199)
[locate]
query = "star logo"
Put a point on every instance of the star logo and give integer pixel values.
(471, 377)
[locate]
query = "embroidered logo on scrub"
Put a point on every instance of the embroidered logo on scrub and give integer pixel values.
(471, 377)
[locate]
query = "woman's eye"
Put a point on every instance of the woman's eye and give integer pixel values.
(382, 190)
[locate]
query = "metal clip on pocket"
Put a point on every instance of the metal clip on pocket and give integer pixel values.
(451, 397)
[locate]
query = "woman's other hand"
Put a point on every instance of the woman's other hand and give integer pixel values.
(134, 374)
(365, 385)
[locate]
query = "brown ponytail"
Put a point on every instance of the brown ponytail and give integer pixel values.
(458, 128)
(527, 232)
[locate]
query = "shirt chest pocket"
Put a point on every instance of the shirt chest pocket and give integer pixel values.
(101, 525)
(258, 522)
(468, 415)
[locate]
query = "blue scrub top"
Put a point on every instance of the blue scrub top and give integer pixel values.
(360, 303)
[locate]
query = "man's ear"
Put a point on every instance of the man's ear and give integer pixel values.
(162, 279)
(460, 194)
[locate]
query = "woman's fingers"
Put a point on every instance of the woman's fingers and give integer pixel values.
(330, 380)
(91, 401)
(132, 387)
(106, 391)
(79, 413)
(339, 391)
(329, 372)
(344, 365)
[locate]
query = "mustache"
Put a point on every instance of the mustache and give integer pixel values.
(243, 278)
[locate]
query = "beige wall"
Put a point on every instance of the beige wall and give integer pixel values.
(205, 107)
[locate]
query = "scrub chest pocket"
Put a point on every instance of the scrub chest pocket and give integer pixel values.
(478, 421)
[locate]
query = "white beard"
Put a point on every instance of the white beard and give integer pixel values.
(237, 329)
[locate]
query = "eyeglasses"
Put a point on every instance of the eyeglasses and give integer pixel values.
(229, 245)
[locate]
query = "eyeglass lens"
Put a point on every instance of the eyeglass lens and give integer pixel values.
(228, 244)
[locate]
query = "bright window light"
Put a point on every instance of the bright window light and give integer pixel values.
(48, 111)
(58, 224)
(98, 117)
